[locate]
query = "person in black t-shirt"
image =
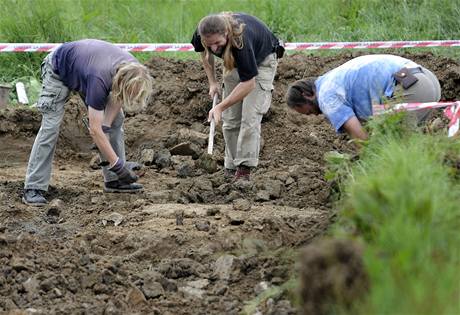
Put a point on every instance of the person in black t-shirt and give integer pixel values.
(248, 49)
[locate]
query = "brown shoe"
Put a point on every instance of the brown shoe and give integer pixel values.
(242, 173)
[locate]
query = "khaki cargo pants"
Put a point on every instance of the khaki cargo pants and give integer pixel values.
(242, 121)
(426, 89)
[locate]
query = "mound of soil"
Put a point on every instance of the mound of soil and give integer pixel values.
(192, 242)
(332, 273)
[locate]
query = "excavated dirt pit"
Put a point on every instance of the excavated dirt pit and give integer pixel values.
(192, 242)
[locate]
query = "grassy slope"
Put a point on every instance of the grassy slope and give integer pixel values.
(402, 201)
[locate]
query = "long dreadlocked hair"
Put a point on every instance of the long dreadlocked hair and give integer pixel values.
(220, 24)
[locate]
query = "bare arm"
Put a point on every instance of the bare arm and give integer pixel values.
(96, 118)
(209, 68)
(111, 111)
(238, 94)
(354, 128)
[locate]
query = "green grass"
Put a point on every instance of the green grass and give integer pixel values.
(173, 21)
(402, 200)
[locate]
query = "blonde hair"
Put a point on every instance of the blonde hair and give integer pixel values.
(221, 24)
(132, 86)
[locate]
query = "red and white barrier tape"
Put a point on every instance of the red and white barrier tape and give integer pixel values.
(452, 111)
(46, 47)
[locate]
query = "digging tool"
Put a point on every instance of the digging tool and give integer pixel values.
(212, 128)
(207, 161)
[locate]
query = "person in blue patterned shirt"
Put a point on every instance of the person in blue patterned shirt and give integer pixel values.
(345, 95)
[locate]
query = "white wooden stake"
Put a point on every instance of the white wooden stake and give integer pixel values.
(21, 92)
(212, 128)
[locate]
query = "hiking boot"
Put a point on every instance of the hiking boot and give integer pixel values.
(116, 187)
(229, 173)
(34, 197)
(242, 173)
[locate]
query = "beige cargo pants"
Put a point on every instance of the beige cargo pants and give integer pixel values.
(426, 89)
(242, 121)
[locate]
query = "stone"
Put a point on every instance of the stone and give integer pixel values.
(203, 226)
(274, 188)
(210, 212)
(47, 284)
(187, 149)
(54, 208)
(185, 170)
(235, 218)
(112, 309)
(252, 245)
(162, 158)
(198, 284)
(262, 195)
(202, 184)
(114, 217)
(135, 297)
(152, 289)
(295, 171)
(8, 304)
(233, 195)
(20, 264)
(225, 267)
(261, 287)
(245, 186)
(180, 268)
(193, 136)
(241, 204)
(177, 160)
(179, 214)
(147, 156)
(191, 292)
(290, 181)
(207, 163)
(31, 286)
(220, 288)
(94, 162)
(154, 276)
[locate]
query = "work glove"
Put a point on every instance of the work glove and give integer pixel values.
(125, 175)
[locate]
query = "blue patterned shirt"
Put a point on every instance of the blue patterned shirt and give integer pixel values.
(351, 89)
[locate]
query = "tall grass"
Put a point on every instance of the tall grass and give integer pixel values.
(402, 200)
(166, 21)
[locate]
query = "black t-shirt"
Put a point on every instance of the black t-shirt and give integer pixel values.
(258, 43)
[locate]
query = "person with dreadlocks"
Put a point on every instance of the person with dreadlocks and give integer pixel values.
(249, 51)
(345, 95)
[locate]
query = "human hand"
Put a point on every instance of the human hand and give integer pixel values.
(216, 114)
(214, 89)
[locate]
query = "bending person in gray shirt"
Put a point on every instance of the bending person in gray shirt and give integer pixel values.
(108, 79)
